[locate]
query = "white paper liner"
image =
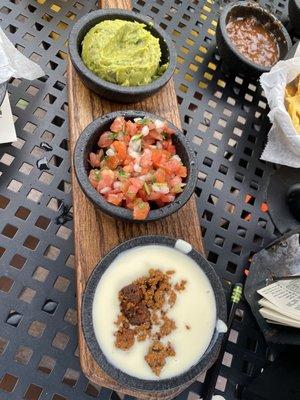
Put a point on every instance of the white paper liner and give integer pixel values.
(283, 146)
(13, 63)
(7, 127)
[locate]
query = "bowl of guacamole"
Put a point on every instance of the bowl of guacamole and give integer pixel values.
(120, 55)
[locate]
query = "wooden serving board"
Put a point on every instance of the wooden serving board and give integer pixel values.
(94, 232)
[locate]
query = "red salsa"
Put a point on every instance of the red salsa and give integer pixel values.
(136, 165)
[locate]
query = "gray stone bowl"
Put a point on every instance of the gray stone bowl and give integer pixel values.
(211, 353)
(112, 91)
(87, 142)
(233, 59)
(2, 92)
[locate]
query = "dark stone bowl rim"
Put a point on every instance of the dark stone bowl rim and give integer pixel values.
(257, 9)
(93, 129)
(121, 377)
(97, 81)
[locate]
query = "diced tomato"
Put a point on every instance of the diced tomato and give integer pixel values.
(167, 198)
(172, 166)
(160, 175)
(141, 210)
(155, 134)
(125, 186)
(143, 195)
(121, 149)
(146, 159)
(137, 182)
(113, 162)
(148, 141)
(128, 168)
(118, 125)
(94, 177)
(157, 157)
(154, 196)
(126, 138)
(175, 181)
(167, 145)
(182, 172)
(131, 128)
(107, 178)
(131, 192)
(94, 160)
(115, 199)
(105, 139)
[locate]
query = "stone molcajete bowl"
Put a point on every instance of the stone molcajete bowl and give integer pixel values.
(112, 91)
(87, 142)
(233, 59)
(211, 352)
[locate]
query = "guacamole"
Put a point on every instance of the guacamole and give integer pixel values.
(122, 52)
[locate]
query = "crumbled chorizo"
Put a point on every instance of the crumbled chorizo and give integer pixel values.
(157, 354)
(124, 338)
(180, 286)
(144, 306)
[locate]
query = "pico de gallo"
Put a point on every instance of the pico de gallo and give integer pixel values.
(136, 165)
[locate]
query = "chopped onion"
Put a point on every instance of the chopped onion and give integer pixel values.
(160, 188)
(176, 157)
(110, 152)
(105, 190)
(132, 153)
(117, 185)
(137, 168)
(135, 145)
(159, 124)
(145, 130)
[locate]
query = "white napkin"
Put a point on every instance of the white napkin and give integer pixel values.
(14, 63)
(7, 127)
(283, 146)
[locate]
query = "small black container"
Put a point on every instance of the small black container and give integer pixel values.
(121, 377)
(87, 142)
(294, 16)
(233, 59)
(112, 91)
(2, 91)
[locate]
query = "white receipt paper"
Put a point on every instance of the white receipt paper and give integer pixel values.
(7, 127)
(283, 146)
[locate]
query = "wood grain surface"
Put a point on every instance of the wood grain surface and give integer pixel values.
(94, 232)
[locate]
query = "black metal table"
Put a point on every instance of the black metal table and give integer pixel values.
(225, 118)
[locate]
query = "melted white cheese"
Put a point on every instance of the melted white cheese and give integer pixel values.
(195, 307)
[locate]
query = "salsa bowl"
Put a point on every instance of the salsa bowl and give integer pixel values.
(233, 59)
(87, 142)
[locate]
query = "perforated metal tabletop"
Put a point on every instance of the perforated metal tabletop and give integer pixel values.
(225, 118)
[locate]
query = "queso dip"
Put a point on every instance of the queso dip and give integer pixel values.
(194, 311)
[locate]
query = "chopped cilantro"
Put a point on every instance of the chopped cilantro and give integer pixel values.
(113, 135)
(97, 174)
(144, 121)
(136, 137)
